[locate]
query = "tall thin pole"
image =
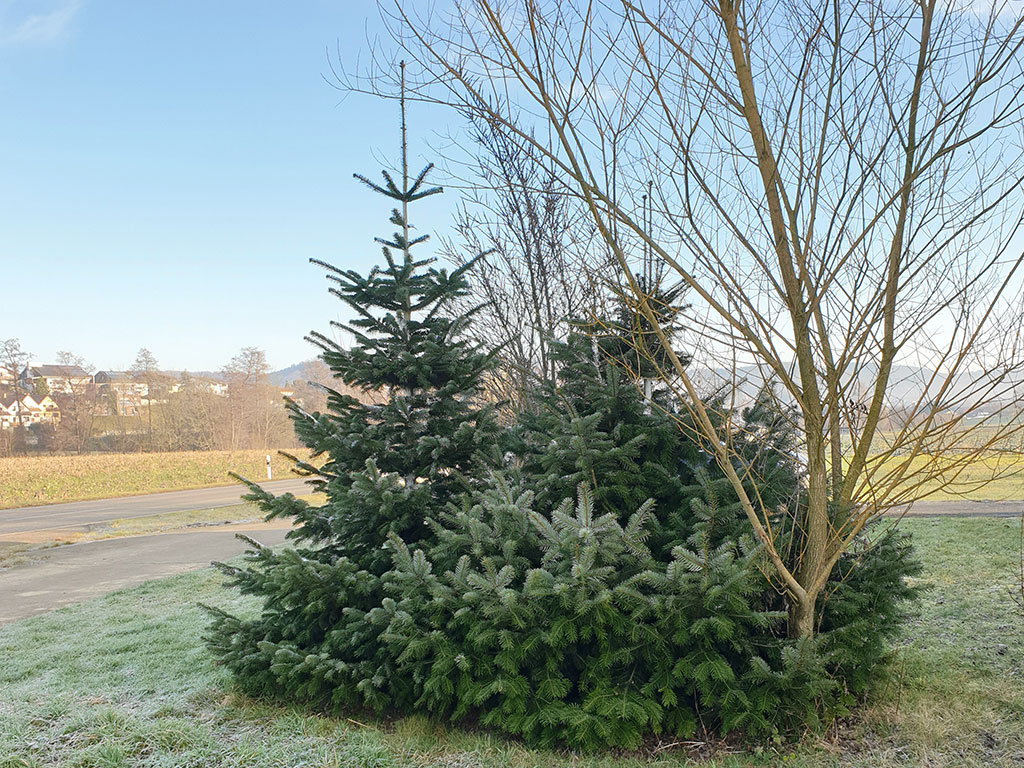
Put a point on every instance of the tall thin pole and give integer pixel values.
(405, 194)
(643, 220)
(405, 166)
(648, 225)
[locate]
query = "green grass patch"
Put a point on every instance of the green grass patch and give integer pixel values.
(173, 521)
(125, 680)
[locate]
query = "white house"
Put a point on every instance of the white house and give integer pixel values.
(57, 378)
(216, 386)
(121, 390)
(33, 411)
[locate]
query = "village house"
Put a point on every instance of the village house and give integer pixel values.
(121, 391)
(54, 378)
(215, 386)
(43, 410)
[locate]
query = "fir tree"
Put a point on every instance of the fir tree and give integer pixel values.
(594, 427)
(388, 463)
(629, 338)
(597, 427)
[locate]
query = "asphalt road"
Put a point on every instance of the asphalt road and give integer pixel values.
(82, 514)
(966, 509)
(70, 574)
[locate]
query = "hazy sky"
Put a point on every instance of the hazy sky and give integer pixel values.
(168, 168)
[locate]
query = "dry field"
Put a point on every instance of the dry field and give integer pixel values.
(994, 476)
(31, 480)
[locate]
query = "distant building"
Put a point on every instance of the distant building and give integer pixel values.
(56, 378)
(8, 411)
(123, 393)
(216, 386)
(43, 410)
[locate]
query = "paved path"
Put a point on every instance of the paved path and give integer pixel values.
(82, 514)
(76, 572)
(966, 509)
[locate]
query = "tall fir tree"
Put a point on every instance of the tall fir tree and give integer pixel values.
(630, 339)
(386, 463)
(410, 446)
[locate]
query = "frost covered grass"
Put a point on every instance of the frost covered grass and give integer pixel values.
(124, 680)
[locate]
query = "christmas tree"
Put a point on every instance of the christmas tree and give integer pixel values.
(600, 588)
(387, 463)
(410, 446)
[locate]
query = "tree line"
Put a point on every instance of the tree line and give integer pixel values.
(155, 410)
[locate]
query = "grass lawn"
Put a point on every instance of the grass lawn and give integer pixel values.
(124, 681)
(31, 480)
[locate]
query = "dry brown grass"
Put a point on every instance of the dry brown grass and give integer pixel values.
(992, 477)
(32, 480)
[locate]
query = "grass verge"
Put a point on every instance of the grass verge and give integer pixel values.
(124, 680)
(173, 521)
(15, 553)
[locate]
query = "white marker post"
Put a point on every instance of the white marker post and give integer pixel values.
(268, 466)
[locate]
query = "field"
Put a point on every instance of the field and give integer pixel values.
(27, 481)
(995, 477)
(124, 680)
(31, 480)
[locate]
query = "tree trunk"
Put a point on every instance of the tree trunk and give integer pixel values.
(802, 616)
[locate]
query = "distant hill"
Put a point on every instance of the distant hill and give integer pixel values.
(197, 374)
(287, 375)
(906, 383)
(276, 378)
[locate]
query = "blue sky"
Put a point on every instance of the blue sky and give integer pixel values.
(168, 169)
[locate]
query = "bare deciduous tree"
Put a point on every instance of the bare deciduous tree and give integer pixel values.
(540, 266)
(254, 411)
(310, 388)
(77, 401)
(836, 185)
(191, 415)
(13, 360)
(145, 369)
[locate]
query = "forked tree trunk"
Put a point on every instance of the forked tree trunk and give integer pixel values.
(802, 617)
